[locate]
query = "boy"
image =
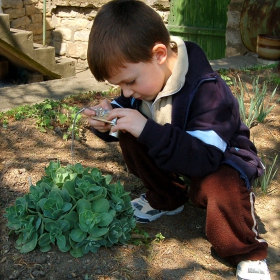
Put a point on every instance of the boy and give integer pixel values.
(178, 119)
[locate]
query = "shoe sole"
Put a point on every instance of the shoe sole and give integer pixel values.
(142, 218)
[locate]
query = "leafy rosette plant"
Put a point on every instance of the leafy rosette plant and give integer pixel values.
(75, 208)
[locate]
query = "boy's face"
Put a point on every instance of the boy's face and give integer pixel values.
(140, 80)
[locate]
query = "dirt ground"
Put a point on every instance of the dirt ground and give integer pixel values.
(184, 253)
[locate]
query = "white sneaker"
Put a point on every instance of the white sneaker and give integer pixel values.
(252, 270)
(144, 213)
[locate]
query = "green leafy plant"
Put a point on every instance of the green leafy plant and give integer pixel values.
(52, 114)
(269, 173)
(75, 208)
(49, 114)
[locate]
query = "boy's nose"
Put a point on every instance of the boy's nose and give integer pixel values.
(127, 92)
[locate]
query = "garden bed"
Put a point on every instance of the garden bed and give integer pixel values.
(174, 247)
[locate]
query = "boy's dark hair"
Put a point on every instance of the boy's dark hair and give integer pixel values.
(123, 31)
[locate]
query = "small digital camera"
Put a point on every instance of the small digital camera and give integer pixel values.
(101, 115)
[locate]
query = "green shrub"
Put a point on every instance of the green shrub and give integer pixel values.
(72, 207)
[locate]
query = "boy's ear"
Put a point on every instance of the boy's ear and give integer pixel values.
(160, 53)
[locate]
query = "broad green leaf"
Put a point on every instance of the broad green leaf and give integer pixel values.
(97, 232)
(60, 176)
(41, 203)
(62, 118)
(66, 207)
(49, 226)
(54, 200)
(82, 205)
(72, 218)
(87, 219)
(77, 253)
(38, 223)
(89, 179)
(30, 246)
(45, 249)
(105, 219)
(78, 168)
(53, 166)
(78, 235)
(70, 186)
(108, 179)
(61, 243)
(64, 225)
(100, 205)
(19, 242)
(44, 240)
(47, 106)
(65, 195)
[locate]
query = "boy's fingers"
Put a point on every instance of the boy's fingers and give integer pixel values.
(89, 111)
(118, 113)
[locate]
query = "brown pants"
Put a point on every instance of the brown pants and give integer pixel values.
(230, 222)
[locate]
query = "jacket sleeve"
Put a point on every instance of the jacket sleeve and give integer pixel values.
(213, 108)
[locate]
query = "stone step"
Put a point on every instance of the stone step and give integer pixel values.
(65, 67)
(4, 24)
(44, 55)
(22, 40)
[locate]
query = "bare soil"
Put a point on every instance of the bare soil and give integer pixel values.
(184, 253)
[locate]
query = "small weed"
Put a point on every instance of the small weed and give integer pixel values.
(274, 79)
(159, 237)
(261, 67)
(258, 110)
(246, 118)
(5, 123)
(139, 236)
(269, 173)
(223, 71)
(224, 75)
(227, 80)
(264, 109)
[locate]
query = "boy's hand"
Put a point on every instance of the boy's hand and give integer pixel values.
(128, 120)
(98, 125)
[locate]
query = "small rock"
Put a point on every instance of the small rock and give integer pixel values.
(22, 170)
(97, 271)
(15, 274)
(37, 273)
(41, 259)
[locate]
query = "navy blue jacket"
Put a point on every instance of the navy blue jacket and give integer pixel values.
(204, 103)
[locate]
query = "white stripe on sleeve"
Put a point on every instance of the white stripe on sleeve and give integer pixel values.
(209, 137)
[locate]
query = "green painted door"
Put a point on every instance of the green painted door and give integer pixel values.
(200, 21)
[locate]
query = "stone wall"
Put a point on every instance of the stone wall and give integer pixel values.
(27, 15)
(72, 24)
(68, 23)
